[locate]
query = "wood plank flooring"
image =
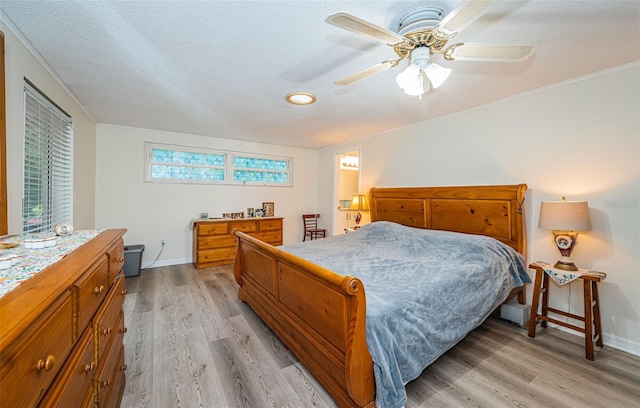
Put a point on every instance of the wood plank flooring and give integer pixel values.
(192, 343)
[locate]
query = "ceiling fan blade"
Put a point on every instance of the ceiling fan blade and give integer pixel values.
(366, 72)
(461, 17)
(488, 52)
(359, 26)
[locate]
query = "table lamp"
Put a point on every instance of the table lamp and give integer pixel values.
(358, 203)
(565, 218)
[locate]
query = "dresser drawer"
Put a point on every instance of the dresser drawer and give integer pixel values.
(115, 393)
(107, 369)
(74, 377)
(221, 241)
(213, 228)
(217, 255)
(89, 292)
(115, 256)
(29, 367)
(270, 237)
(269, 225)
(245, 226)
(106, 321)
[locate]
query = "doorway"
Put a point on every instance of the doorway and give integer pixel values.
(347, 183)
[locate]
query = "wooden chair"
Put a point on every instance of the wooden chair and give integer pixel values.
(311, 229)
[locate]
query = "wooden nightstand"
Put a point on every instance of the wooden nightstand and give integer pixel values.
(592, 327)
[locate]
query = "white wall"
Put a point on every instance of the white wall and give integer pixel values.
(580, 140)
(155, 211)
(20, 63)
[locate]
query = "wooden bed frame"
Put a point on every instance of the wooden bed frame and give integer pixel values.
(320, 315)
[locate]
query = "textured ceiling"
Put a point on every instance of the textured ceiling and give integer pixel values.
(223, 68)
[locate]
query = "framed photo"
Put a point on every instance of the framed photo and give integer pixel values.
(344, 205)
(268, 209)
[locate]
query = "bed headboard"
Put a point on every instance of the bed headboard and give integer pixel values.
(495, 211)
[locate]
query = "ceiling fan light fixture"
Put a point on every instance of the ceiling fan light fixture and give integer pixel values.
(412, 81)
(407, 77)
(301, 98)
(418, 88)
(421, 74)
(437, 74)
(421, 57)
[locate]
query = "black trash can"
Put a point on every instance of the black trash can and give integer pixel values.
(132, 260)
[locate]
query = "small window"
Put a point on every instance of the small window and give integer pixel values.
(249, 169)
(184, 165)
(178, 164)
(48, 163)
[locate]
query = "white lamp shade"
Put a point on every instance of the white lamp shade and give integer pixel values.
(565, 216)
(419, 87)
(415, 81)
(412, 81)
(407, 78)
(437, 74)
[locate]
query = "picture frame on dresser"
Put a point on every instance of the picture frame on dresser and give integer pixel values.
(269, 209)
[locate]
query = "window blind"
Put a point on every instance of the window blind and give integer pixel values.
(48, 163)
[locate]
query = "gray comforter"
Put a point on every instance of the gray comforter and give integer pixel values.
(425, 291)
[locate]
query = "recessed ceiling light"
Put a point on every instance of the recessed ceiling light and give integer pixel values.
(301, 98)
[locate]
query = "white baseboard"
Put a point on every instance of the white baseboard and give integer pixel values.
(167, 262)
(609, 340)
(628, 346)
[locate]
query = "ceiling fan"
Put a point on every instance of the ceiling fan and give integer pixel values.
(423, 33)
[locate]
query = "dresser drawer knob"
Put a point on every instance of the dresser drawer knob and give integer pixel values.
(118, 260)
(98, 289)
(123, 330)
(46, 364)
(90, 367)
(105, 383)
(124, 292)
(123, 367)
(107, 331)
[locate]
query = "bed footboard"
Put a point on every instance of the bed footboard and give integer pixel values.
(318, 314)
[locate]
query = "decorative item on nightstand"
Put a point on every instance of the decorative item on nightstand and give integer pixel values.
(565, 218)
(359, 203)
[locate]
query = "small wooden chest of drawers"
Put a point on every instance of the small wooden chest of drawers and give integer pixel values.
(213, 244)
(61, 338)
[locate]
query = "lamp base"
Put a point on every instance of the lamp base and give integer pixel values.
(565, 266)
(565, 241)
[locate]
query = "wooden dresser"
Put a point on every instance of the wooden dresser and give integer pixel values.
(61, 331)
(213, 244)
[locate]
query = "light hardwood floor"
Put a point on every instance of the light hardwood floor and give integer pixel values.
(192, 343)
